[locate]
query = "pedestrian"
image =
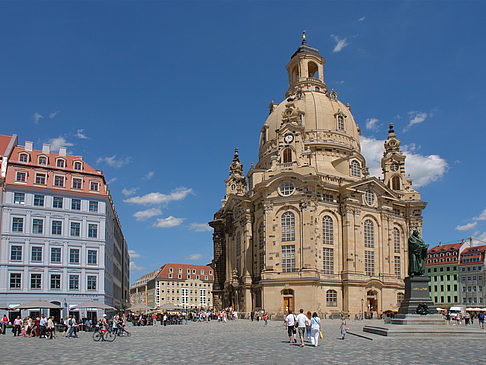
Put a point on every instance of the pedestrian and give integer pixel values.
(252, 315)
(51, 328)
(466, 318)
(315, 326)
(43, 327)
(37, 328)
(290, 323)
(4, 324)
(17, 326)
(343, 329)
(165, 319)
(265, 318)
(72, 327)
(302, 321)
(308, 326)
(481, 320)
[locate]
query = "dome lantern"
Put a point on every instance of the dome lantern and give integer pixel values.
(306, 69)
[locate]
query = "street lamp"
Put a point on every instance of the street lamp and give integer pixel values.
(362, 303)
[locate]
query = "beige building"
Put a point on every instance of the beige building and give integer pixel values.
(188, 286)
(308, 227)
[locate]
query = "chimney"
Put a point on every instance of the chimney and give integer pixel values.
(46, 148)
(62, 151)
(28, 146)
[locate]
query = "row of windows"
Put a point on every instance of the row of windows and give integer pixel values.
(54, 282)
(183, 284)
(472, 288)
(55, 255)
(56, 227)
(201, 271)
(441, 277)
(179, 276)
(59, 181)
(448, 268)
(454, 253)
(442, 299)
(472, 268)
(442, 287)
(472, 300)
(57, 202)
(44, 160)
(469, 278)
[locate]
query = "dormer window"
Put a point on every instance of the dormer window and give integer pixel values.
(355, 168)
(78, 165)
(42, 160)
(24, 157)
(60, 163)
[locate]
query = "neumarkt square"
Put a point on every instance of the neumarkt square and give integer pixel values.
(239, 341)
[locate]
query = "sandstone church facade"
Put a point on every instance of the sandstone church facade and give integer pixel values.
(307, 227)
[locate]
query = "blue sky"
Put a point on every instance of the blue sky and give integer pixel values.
(158, 94)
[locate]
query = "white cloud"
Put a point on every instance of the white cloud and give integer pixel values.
(423, 169)
(416, 118)
(128, 192)
(133, 254)
(149, 175)
(142, 215)
(53, 114)
(371, 123)
(134, 267)
(113, 161)
(58, 142)
(361, 19)
(481, 217)
(194, 257)
(112, 180)
(467, 226)
(168, 222)
(159, 198)
(340, 43)
(80, 134)
(201, 227)
(37, 117)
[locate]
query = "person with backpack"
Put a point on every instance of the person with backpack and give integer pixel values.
(481, 320)
(72, 327)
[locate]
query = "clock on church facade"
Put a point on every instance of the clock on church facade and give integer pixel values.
(307, 227)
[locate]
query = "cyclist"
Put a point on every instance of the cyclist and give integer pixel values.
(104, 322)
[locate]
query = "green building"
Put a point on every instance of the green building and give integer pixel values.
(442, 265)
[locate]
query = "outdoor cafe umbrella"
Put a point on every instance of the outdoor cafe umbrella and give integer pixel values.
(169, 307)
(95, 305)
(139, 307)
(39, 304)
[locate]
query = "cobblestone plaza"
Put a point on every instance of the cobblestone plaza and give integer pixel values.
(240, 341)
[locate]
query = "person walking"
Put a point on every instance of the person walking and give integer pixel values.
(43, 326)
(4, 324)
(315, 329)
(290, 323)
(343, 329)
(308, 326)
(265, 318)
(72, 330)
(481, 320)
(51, 328)
(302, 321)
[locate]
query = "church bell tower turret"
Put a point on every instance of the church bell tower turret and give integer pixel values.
(236, 182)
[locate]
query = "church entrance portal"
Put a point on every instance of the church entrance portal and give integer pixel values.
(288, 300)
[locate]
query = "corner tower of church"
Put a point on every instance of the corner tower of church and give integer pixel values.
(308, 227)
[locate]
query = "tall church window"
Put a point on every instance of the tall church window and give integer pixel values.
(396, 240)
(340, 122)
(369, 263)
(395, 183)
(369, 233)
(288, 258)
(313, 70)
(261, 236)
(327, 230)
(238, 253)
(288, 227)
(287, 155)
(328, 260)
(331, 298)
(398, 269)
(355, 168)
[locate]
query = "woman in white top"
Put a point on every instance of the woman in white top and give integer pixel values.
(315, 329)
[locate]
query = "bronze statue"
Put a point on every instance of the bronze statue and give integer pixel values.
(417, 251)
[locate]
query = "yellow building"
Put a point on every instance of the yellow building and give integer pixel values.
(308, 227)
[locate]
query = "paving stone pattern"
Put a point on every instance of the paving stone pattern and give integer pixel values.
(242, 342)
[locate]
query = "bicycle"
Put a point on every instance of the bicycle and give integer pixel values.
(104, 334)
(122, 332)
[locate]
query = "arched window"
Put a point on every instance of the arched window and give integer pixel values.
(295, 74)
(42, 160)
(288, 227)
(60, 163)
(395, 183)
(340, 122)
(369, 233)
(331, 298)
(396, 240)
(287, 155)
(327, 230)
(355, 168)
(78, 165)
(312, 69)
(261, 236)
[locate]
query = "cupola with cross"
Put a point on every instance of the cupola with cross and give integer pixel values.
(306, 69)
(393, 166)
(236, 182)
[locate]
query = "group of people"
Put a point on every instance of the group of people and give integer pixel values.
(308, 327)
(466, 318)
(41, 327)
